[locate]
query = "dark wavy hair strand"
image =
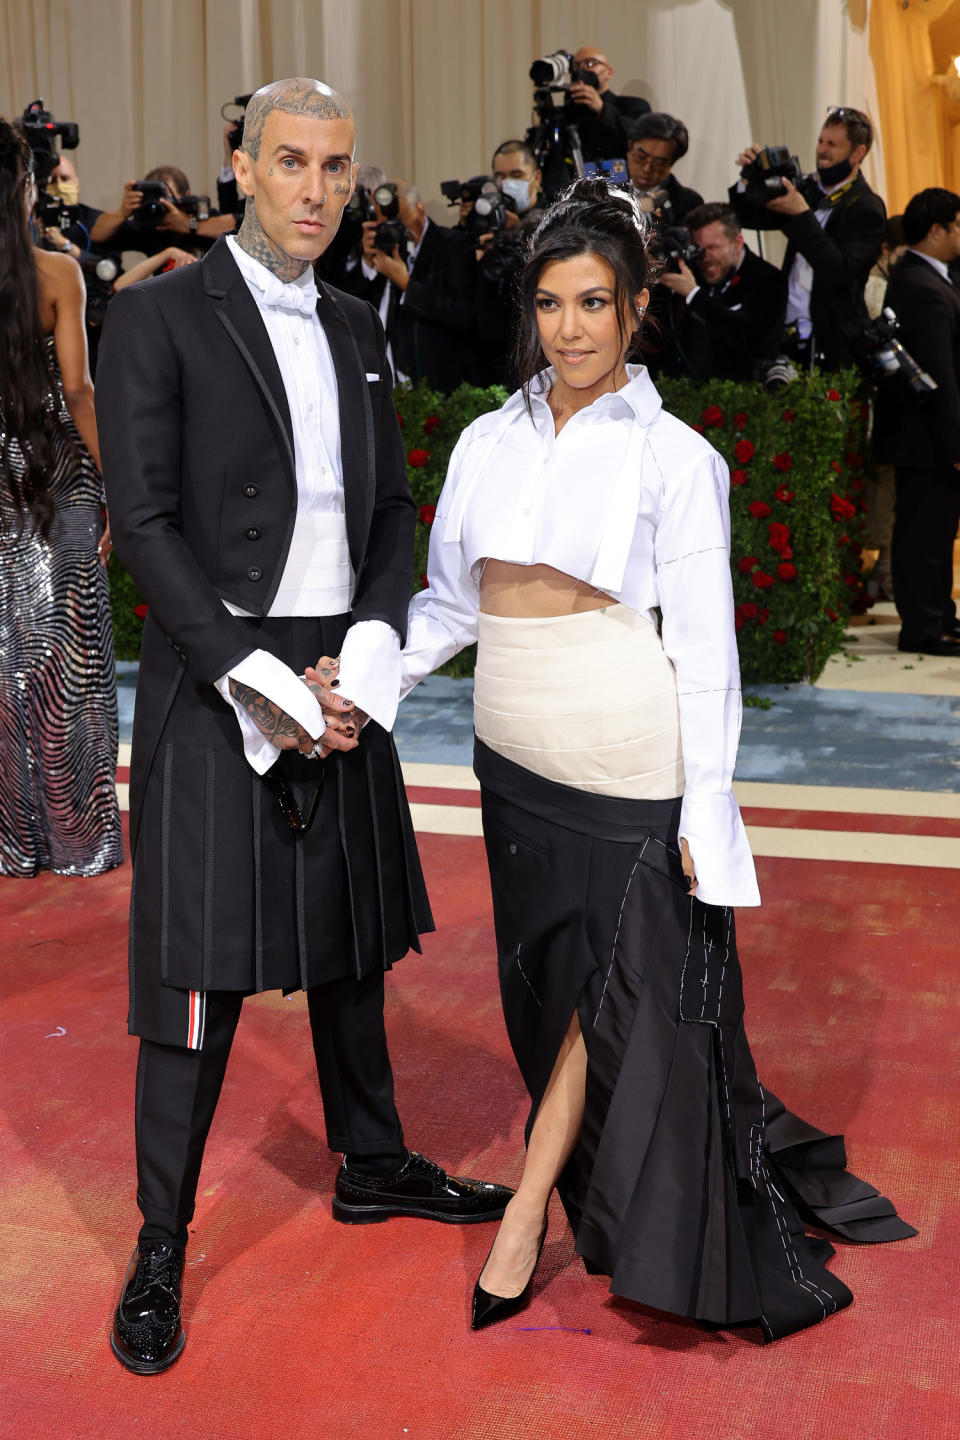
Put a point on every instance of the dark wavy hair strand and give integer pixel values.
(28, 402)
(590, 217)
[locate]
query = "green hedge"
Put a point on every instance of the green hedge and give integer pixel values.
(797, 512)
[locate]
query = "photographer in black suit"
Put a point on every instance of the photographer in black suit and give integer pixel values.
(603, 119)
(733, 303)
(835, 226)
(257, 488)
(922, 440)
(424, 292)
(655, 143)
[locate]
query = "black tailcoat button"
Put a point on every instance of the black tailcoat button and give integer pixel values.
(253, 533)
(254, 573)
(251, 491)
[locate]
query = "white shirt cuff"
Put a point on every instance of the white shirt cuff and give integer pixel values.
(370, 669)
(713, 828)
(264, 672)
(690, 294)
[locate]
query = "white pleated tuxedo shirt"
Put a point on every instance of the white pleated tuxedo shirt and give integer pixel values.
(634, 502)
(317, 577)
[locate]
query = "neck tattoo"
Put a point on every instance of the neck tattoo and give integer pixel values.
(252, 238)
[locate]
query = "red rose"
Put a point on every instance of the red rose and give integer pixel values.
(840, 508)
(428, 514)
(782, 493)
(850, 580)
(417, 458)
(788, 415)
(783, 462)
(740, 420)
(713, 415)
(746, 564)
(400, 420)
(763, 615)
(761, 580)
(140, 611)
(738, 477)
(779, 637)
(836, 466)
(738, 621)
(779, 535)
(786, 552)
(786, 572)
(759, 509)
(424, 581)
(748, 610)
(833, 394)
(699, 429)
(854, 459)
(430, 424)
(744, 451)
(844, 540)
(831, 614)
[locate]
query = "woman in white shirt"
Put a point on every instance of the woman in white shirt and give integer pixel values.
(605, 749)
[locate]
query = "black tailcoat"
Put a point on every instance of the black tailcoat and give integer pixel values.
(198, 459)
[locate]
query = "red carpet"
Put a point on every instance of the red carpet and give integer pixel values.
(299, 1327)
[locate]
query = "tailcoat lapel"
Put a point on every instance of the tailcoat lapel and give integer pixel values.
(357, 451)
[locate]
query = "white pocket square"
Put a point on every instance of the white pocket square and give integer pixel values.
(373, 377)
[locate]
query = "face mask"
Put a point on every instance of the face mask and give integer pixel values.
(831, 175)
(519, 192)
(67, 191)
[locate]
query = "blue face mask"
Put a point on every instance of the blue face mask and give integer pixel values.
(519, 192)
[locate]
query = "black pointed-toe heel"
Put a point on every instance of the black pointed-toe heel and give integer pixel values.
(489, 1309)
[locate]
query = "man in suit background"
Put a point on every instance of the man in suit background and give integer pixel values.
(835, 226)
(655, 143)
(424, 294)
(602, 118)
(922, 439)
(731, 304)
(257, 489)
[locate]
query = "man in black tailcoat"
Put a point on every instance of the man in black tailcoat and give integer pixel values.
(257, 489)
(922, 438)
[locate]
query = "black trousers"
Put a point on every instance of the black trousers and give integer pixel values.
(924, 529)
(178, 1089)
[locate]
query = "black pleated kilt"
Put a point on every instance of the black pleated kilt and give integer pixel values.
(226, 896)
(692, 1183)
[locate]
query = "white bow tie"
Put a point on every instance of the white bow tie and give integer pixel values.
(301, 296)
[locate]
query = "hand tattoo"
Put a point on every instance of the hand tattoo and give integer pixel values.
(269, 719)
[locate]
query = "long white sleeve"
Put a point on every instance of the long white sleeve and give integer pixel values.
(265, 673)
(370, 669)
(692, 552)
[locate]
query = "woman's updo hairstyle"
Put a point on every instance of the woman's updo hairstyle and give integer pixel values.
(590, 217)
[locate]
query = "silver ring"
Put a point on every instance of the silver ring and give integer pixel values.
(315, 753)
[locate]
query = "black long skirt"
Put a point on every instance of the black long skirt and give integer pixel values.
(692, 1184)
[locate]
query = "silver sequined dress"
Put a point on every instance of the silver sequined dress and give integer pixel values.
(58, 696)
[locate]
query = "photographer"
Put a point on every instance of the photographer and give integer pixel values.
(922, 439)
(602, 118)
(423, 287)
(835, 226)
(656, 142)
(514, 167)
(733, 303)
(176, 216)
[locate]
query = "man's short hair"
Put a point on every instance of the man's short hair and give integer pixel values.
(715, 212)
(931, 207)
(519, 147)
(895, 236)
(171, 176)
(658, 125)
(857, 125)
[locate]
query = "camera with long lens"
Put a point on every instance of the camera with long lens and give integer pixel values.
(391, 233)
(764, 176)
(776, 373)
(42, 133)
(553, 137)
(236, 134)
(489, 206)
(152, 210)
(358, 210)
(881, 355)
(673, 243)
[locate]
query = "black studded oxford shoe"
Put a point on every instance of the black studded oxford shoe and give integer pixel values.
(147, 1336)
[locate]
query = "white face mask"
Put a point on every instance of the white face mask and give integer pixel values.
(519, 192)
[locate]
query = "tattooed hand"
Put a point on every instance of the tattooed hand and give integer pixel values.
(344, 719)
(278, 727)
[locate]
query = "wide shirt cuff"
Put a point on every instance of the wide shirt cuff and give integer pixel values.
(265, 673)
(713, 828)
(370, 670)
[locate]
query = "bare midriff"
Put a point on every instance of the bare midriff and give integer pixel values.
(525, 592)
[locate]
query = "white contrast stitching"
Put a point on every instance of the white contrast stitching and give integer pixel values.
(525, 980)
(616, 937)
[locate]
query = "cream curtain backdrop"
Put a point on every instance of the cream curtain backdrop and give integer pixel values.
(435, 84)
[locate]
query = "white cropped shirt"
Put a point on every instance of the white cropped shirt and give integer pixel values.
(631, 500)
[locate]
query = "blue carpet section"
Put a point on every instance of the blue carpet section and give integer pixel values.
(807, 737)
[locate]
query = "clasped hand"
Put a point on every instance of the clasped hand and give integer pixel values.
(344, 720)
